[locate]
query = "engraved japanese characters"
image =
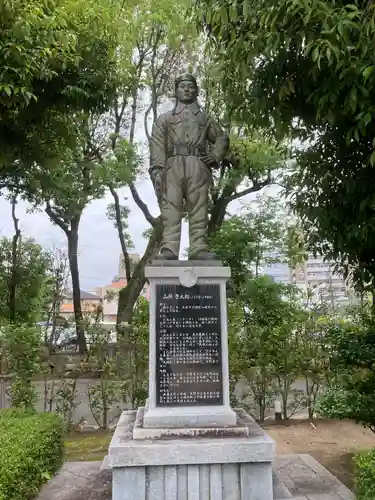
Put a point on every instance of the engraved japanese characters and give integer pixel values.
(188, 345)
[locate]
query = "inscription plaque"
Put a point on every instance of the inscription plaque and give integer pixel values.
(188, 345)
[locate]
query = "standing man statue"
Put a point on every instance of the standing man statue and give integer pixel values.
(185, 145)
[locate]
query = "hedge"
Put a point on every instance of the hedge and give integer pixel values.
(365, 475)
(31, 451)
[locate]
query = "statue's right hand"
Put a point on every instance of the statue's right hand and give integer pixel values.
(158, 184)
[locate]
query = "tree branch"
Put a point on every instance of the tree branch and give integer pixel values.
(55, 218)
(17, 231)
(146, 212)
(121, 234)
(134, 100)
(256, 187)
(119, 114)
(145, 118)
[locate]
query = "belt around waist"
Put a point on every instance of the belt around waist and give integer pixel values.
(186, 151)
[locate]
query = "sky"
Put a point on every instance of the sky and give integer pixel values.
(99, 248)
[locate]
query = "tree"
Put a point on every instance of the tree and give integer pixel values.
(57, 58)
(156, 42)
(263, 350)
(71, 74)
(280, 70)
(162, 44)
(25, 276)
(314, 359)
(261, 234)
(22, 349)
(353, 359)
(263, 314)
(54, 323)
(330, 192)
(67, 190)
(273, 46)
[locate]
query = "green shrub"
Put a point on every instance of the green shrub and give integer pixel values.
(31, 451)
(365, 474)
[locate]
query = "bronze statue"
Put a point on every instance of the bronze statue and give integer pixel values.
(185, 145)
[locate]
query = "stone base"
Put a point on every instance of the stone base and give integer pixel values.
(195, 468)
(240, 429)
(186, 263)
(192, 416)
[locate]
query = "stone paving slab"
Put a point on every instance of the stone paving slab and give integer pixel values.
(304, 477)
(79, 481)
(296, 477)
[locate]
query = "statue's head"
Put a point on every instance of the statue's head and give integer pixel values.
(186, 88)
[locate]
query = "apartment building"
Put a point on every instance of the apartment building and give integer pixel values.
(315, 277)
(320, 279)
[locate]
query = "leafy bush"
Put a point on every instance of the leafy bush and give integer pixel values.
(366, 475)
(31, 451)
(353, 354)
(22, 345)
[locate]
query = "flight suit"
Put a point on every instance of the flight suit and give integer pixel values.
(179, 139)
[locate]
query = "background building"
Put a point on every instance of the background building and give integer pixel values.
(105, 296)
(315, 277)
(89, 303)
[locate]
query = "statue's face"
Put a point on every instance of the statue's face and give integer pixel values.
(186, 92)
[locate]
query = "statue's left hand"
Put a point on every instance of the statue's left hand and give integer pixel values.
(209, 160)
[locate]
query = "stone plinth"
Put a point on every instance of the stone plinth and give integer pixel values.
(187, 443)
(196, 468)
(188, 356)
(141, 432)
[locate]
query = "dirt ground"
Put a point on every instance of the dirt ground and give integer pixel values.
(332, 443)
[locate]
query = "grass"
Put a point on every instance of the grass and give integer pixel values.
(87, 446)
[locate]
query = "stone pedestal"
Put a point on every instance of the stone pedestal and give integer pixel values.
(187, 443)
(196, 468)
(188, 384)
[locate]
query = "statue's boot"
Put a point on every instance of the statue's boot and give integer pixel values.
(166, 254)
(204, 255)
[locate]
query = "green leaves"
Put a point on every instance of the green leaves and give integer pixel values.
(279, 44)
(47, 49)
(261, 235)
(353, 357)
(30, 277)
(280, 72)
(32, 451)
(365, 467)
(22, 345)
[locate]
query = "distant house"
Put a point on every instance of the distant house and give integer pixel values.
(109, 296)
(105, 296)
(89, 303)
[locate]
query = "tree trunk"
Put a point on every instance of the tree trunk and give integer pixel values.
(74, 271)
(128, 296)
(373, 301)
(12, 300)
(262, 409)
(217, 216)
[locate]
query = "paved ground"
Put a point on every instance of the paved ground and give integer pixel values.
(306, 479)
(297, 477)
(79, 481)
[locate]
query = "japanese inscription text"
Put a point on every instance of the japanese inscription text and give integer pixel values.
(188, 345)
